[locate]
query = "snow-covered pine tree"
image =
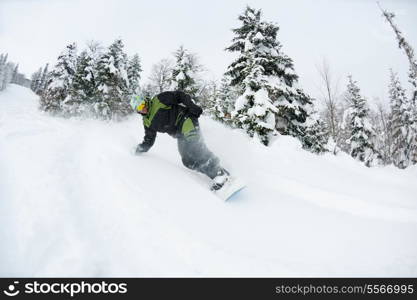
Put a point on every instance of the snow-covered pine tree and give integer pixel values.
(361, 132)
(133, 74)
(264, 77)
(207, 95)
(15, 74)
(316, 135)
(6, 71)
(57, 93)
(210, 94)
(7, 74)
(43, 80)
(184, 72)
(409, 51)
(224, 102)
(113, 82)
(1, 61)
(412, 74)
(34, 80)
(403, 123)
(84, 87)
(384, 133)
(3, 65)
(344, 129)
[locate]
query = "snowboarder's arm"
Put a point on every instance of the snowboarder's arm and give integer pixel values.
(148, 140)
(193, 108)
(177, 97)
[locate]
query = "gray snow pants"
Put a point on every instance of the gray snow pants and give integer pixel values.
(194, 153)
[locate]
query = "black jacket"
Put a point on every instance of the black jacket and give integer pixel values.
(166, 112)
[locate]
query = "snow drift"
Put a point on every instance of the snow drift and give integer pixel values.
(74, 201)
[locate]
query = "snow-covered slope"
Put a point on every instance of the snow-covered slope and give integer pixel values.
(74, 201)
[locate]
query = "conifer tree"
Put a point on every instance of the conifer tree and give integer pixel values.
(412, 74)
(207, 95)
(6, 69)
(57, 94)
(15, 74)
(84, 88)
(96, 82)
(43, 80)
(3, 70)
(361, 133)
(184, 72)
(35, 80)
(133, 73)
(383, 131)
(403, 122)
(269, 99)
(409, 51)
(113, 82)
(224, 102)
(316, 135)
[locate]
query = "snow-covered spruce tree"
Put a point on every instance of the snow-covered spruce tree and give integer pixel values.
(3, 69)
(15, 74)
(316, 135)
(409, 51)
(264, 77)
(210, 95)
(134, 69)
(224, 102)
(3, 59)
(6, 71)
(43, 80)
(9, 73)
(403, 122)
(35, 80)
(184, 72)
(207, 95)
(361, 133)
(383, 132)
(84, 88)
(113, 82)
(57, 93)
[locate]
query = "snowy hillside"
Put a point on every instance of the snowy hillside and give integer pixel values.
(74, 201)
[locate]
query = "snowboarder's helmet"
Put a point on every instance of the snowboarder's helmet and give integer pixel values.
(137, 103)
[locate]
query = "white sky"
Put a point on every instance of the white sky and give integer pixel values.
(351, 35)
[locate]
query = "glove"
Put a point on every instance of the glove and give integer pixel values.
(195, 111)
(140, 149)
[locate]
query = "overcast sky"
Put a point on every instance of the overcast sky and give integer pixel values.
(351, 35)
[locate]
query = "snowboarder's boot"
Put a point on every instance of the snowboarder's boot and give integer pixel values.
(221, 178)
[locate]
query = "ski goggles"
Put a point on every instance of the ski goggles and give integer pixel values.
(138, 103)
(141, 106)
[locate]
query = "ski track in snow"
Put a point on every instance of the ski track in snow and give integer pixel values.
(74, 201)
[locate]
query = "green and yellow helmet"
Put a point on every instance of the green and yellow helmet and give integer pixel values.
(138, 103)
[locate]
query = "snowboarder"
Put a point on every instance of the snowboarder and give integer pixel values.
(176, 114)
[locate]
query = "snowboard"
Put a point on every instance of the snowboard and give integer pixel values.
(230, 188)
